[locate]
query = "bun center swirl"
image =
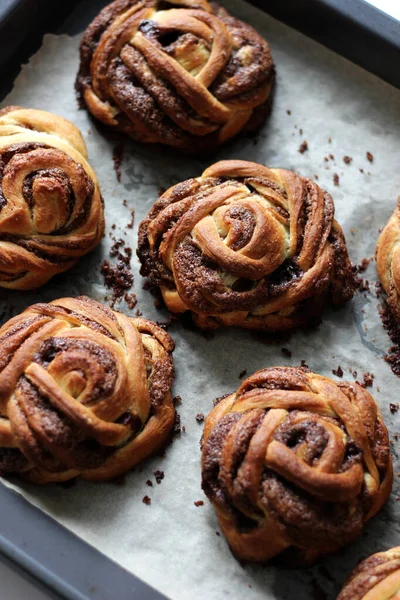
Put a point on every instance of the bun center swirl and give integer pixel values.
(53, 199)
(51, 210)
(83, 391)
(185, 74)
(295, 461)
(248, 245)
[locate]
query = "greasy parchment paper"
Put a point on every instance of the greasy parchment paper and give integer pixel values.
(172, 544)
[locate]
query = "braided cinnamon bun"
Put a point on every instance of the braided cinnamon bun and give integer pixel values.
(388, 261)
(84, 391)
(51, 210)
(177, 72)
(375, 578)
(295, 463)
(246, 245)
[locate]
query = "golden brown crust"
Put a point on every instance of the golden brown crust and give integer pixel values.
(185, 73)
(295, 463)
(51, 210)
(84, 391)
(388, 261)
(375, 578)
(246, 245)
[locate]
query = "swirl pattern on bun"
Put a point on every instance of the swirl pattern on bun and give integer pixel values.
(246, 245)
(295, 464)
(51, 209)
(375, 578)
(185, 74)
(84, 391)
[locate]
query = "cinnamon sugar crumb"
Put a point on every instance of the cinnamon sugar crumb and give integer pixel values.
(368, 380)
(118, 155)
(303, 147)
(159, 475)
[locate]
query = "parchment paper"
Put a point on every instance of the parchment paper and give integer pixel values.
(172, 544)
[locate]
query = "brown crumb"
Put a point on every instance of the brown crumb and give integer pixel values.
(326, 159)
(242, 373)
(217, 533)
(338, 372)
(149, 483)
(370, 157)
(286, 352)
(130, 300)
(118, 155)
(177, 424)
(362, 285)
(361, 170)
(304, 365)
(347, 159)
(368, 380)
(329, 140)
(316, 177)
(159, 475)
(183, 428)
(331, 157)
(336, 180)
(200, 417)
(300, 131)
(132, 221)
(176, 400)
(289, 112)
(364, 264)
(146, 500)
(303, 147)
(199, 503)
(118, 277)
(394, 408)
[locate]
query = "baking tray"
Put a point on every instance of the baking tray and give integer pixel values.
(41, 546)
